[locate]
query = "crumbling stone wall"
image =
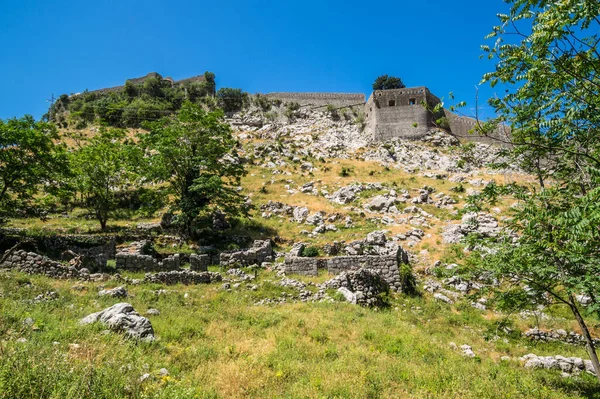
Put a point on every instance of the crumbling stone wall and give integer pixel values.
(182, 277)
(199, 262)
(318, 99)
(94, 249)
(137, 262)
(303, 265)
(142, 79)
(261, 251)
(386, 266)
(32, 263)
(139, 256)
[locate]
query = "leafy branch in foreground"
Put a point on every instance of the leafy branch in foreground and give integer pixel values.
(549, 65)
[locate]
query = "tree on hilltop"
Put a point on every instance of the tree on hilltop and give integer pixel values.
(385, 82)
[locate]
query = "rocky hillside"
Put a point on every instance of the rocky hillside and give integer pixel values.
(345, 282)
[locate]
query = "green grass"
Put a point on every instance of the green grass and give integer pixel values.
(217, 344)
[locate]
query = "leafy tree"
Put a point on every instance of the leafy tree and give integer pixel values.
(29, 161)
(385, 82)
(105, 167)
(549, 64)
(231, 100)
(196, 153)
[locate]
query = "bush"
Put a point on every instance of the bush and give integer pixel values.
(408, 282)
(231, 100)
(345, 172)
(310, 252)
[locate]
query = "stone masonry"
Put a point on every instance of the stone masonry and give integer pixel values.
(32, 263)
(261, 251)
(386, 266)
(199, 263)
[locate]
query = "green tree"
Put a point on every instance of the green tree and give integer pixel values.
(103, 168)
(231, 100)
(30, 160)
(385, 82)
(196, 152)
(549, 64)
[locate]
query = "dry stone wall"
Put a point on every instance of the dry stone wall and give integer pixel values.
(303, 265)
(32, 263)
(187, 277)
(261, 251)
(199, 263)
(386, 266)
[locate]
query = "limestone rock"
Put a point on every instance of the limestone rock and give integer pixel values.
(123, 318)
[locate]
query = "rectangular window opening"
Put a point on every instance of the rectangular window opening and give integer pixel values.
(392, 103)
(412, 101)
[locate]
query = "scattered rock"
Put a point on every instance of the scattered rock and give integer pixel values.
(118, 292)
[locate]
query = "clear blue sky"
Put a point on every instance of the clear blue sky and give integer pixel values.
(55, 47)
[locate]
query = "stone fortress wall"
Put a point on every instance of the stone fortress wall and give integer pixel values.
(142, 79)
(399, 113)
(460, 126)
(389, 114)
(320, 99)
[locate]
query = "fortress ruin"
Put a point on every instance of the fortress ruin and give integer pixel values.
(397, 113)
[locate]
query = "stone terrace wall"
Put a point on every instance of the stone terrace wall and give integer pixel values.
(303, 265)
(318, 99)
(182, 277)
(137, 262)
(32, 263)
(96, 249)
(386, 266)
(261, 251)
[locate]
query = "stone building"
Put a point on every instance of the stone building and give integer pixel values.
(399, 113)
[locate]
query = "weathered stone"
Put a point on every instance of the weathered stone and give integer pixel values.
(123, 318)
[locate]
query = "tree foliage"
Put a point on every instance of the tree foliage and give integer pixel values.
(548, 63)
(196, 153)
(385, 82)
(107, 166)
(231, 100)
(30, 160)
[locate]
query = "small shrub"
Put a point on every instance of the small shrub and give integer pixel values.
(408, 282)
(293, 106)
(345, 172)
(310, 252)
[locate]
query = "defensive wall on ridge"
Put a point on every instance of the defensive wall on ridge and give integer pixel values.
(320, 99)
(142, 79)
(465, 128)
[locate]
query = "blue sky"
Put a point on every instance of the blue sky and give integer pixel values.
(55, 47)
